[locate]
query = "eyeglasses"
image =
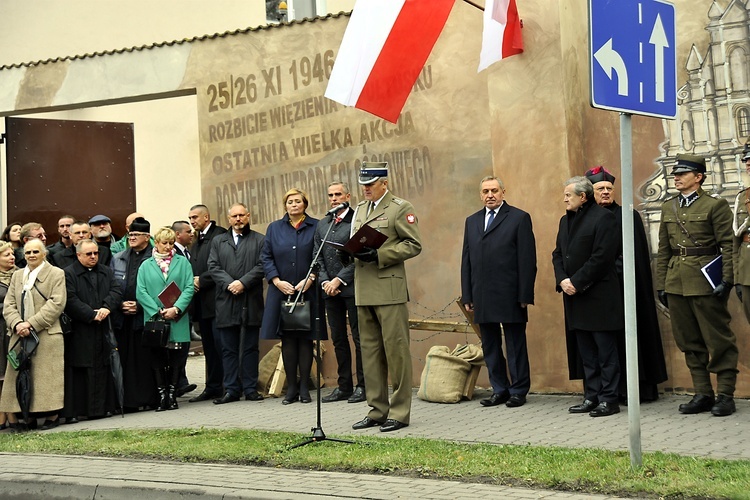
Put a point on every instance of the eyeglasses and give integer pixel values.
(90, 254)
(31, 252)
(135, 235)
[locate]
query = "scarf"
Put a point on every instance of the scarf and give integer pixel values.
(27, 301)
(304, 216)
(5, 275)
(163, 260)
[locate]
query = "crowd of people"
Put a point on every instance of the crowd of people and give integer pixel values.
(70, 305)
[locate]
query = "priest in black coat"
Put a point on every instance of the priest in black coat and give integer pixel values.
(92, 295)
(652, 368)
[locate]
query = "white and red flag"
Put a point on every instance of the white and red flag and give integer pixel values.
(501, 36)
(383, 51)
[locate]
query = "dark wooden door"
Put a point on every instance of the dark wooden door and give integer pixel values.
(58, 167)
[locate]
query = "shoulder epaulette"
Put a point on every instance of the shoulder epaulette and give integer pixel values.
(397, 201)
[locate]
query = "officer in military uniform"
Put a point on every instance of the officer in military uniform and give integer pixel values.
(695, 229)
(381, 295)
(741, 228)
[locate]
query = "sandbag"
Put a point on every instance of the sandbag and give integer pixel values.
(443, 377)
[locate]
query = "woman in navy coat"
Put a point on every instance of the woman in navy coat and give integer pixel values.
(287, 255)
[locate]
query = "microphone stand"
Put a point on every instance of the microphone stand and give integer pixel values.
(317, 431)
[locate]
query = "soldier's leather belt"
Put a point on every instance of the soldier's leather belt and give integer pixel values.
(686, 251)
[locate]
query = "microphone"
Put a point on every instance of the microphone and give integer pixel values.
(337, 208)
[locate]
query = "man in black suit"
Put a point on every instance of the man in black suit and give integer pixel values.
(183, 237)
(204, 300)
(337, 282)
(586, 273)
(79, 230)
(498, 270)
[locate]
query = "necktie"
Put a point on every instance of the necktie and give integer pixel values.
(370, 208)
(490, 219)
(337, 220)
(686, 201)
(187, 254)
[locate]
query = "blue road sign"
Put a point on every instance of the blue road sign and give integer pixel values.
(633, 61)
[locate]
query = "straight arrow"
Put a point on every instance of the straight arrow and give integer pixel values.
(659, 41)
(609, 59)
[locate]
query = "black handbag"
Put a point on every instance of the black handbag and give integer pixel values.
(66, 324)
(298, 320)
(19, 359)
(155, 333)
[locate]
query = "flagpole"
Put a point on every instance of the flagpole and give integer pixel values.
(474, 5)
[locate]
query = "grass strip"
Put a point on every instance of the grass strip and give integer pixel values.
(663, 475)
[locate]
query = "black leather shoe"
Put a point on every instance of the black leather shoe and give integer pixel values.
(495, 399)
(305, 398)
(358, 395)
(584, 407)
(254, 396)
(724, 406)
(605, 409)
(71, 420)
(203, 396)
(50, 424)
(181, 391)
(698, 404)
(392, 425)
(289, 400)
(515, 401)
(366, 423)
(336, 395)
(226, 398)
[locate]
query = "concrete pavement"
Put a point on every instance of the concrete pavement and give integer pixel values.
(543, 421)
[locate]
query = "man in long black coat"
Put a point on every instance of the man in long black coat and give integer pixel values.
(237, 271)
(92, 294)
(585, 271)
(498, 270)
(652, 368)
(204, 300)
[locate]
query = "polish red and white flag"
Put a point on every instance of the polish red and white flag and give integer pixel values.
(384, 48)
(501, 36)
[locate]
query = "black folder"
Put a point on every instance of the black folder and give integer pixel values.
(367, 236)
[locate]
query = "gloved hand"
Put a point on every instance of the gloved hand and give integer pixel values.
(367, 255)
(722, 290)
(663, 298)
(344, 257)
(738, 291)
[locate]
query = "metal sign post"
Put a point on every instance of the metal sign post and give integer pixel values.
(633, 66)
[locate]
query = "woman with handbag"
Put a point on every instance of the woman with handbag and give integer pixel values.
(36, 298)
(164, 291)
(7, 267)
(287, 255)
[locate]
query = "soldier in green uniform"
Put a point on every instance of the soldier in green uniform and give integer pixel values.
(695, 229)
(381, 295)
(741, 229)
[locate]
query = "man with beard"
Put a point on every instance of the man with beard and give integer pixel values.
(63, 229)
(79, 231)
(652, 369)
(204, 300)
(140, 386)
(237, 271)
(92, 295)
(101, 230)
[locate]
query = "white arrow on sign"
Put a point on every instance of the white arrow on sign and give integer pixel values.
(609, 59)
(659, 41)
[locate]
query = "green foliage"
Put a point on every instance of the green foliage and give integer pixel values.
(578, 470)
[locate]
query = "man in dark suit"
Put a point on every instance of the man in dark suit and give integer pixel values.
(183, 238)
(79, 231)
(204, 300)
(498, 270)
(337, 282)
(235, 266)
(585, 272)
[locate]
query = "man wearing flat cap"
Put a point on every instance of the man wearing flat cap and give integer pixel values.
(101, 230)
(652, 369)
(741, 230)
(695, 229)
(381, 295)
